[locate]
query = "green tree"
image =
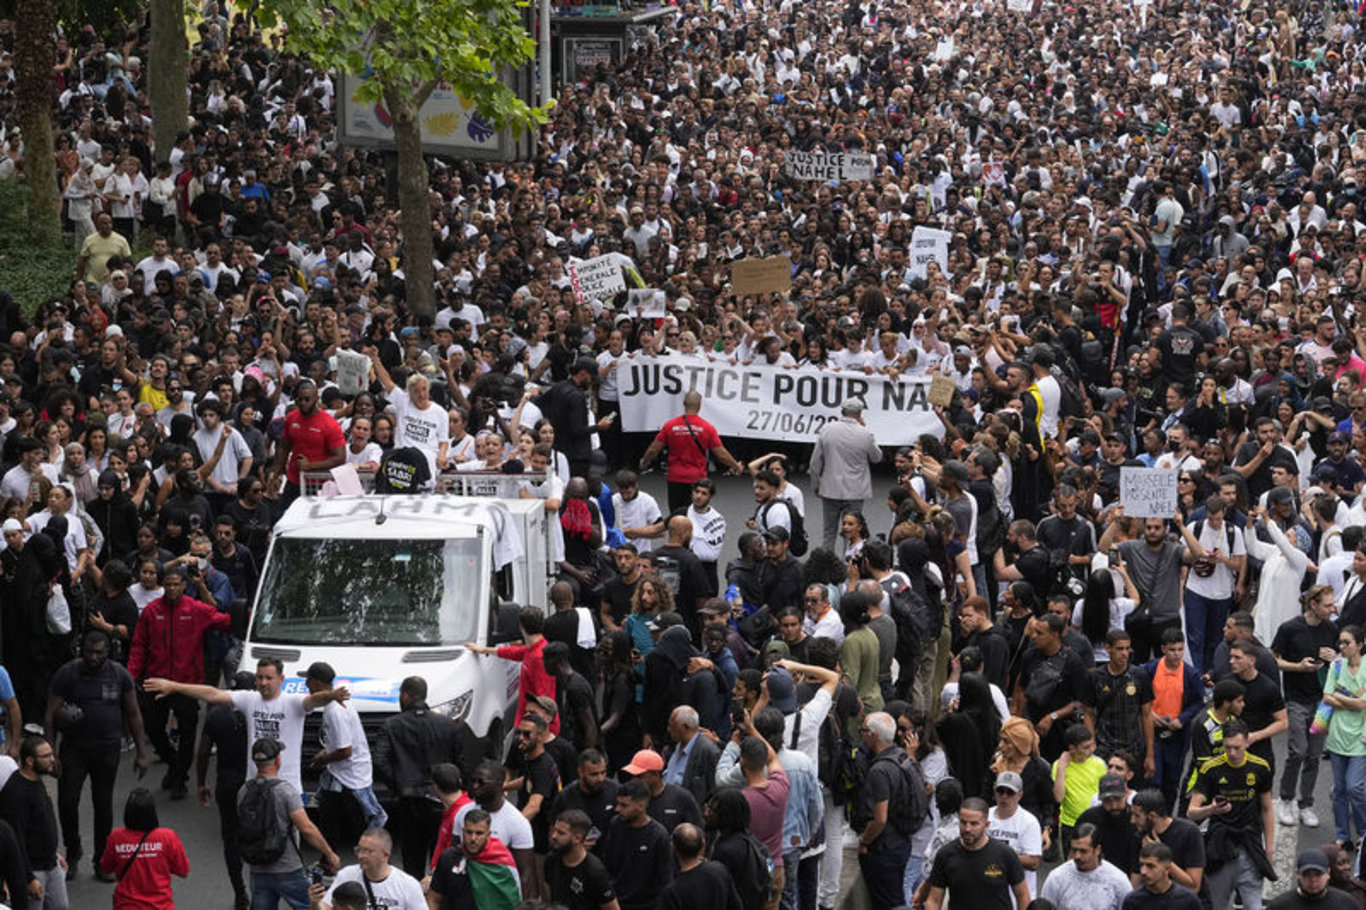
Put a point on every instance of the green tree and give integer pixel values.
(406, 50)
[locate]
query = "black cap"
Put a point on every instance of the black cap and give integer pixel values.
(585, 364)
(266, 749)
(320, 671)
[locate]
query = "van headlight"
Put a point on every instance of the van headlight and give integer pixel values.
(457, 708)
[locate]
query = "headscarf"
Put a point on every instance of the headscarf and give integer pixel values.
(576, 519)
(1023, 737)
(675, 645)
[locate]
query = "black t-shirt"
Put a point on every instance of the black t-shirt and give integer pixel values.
(682, 571)
(26, 806)
(1259, 481)
(1033, 567)
(565, 755)
(1295, 640)
(100, 698)
(1187, 844)
(1242, 785)
(600, 807)
(674, 806)
(119, 610)
(981, 879)
(1261, 700)
(1180, 346)
(640, 861)
(995, 654)
(617, 593)
(572, 698)
(1067, 537)
(1119, 840)
(1332, 899)
(564, 627)
(540, 776)
(1050, 683)
(451, 880)
(705, 886)
(403, 471)
(1177, 898)
(586, 886)
(886, 782)
(226, 728)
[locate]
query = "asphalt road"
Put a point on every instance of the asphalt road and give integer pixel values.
(207, 887)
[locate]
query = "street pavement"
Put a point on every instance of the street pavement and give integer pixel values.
(207, 887)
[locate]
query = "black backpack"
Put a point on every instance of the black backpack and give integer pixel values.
(259, 835)
(754, 879)
(797, 542)
(833, 750)
(907, 810)
(917, 622)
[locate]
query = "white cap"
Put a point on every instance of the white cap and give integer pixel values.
(11, 524)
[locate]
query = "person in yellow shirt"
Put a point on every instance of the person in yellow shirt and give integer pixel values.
(97, 249)
(1076, 779)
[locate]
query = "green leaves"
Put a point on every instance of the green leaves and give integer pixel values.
(407, 47)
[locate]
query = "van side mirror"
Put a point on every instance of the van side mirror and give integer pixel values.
(240, 610)
(506, 627)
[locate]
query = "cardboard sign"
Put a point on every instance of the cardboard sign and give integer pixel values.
(596, 279)
(941, 391)
(1148, 492)
(353, 372)
(841, 166)
(761, 276)
(929, 245)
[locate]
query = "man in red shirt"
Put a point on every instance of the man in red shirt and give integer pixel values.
(689, 439)
(530, 654)
(312, 440)
(168, 643)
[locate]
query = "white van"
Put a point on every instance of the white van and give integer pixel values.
(386, 587)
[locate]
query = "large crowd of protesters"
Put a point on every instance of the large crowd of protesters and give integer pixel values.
(990, 683)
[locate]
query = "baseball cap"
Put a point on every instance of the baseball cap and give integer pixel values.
(1339, 436)
(779, 534)
(320, 671)
(266, 749)
(1313, 860)
(712, 606)
(1279, 494)
(1010, 781)
(782, 691)
(11, 524)
(644, 760)
(1112, 785)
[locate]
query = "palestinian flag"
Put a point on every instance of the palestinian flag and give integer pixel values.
(493, 878)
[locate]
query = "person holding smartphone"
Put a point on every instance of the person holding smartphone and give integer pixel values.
(1233, 791)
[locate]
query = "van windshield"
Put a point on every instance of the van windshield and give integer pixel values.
(371, 592)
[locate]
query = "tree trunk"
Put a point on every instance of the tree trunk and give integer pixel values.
(35, 50)
(413, 199)
(166, 75)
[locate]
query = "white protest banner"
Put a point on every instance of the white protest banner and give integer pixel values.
(646, 304)
(764, 402)
(596, 279)
(943, 51)
(842, 166)
(1020, 6)
(929, 245)
(353, 372)
(1148, 492)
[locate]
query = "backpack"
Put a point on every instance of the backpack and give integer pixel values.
(260, 836)
(917, 623)
(670, 572)
(833, 749)
(754, 880)
(1070, 404)
(909, 806)
(797, 542)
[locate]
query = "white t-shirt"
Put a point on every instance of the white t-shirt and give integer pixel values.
(281, 718)
(507, 824)
(398, 890)
(1051, 394)
(1021, 832)
(143, 596)
(1219, 585)
(1103, 886)
(342, 728)
(235, 451)
(638, 513)
(424, 429)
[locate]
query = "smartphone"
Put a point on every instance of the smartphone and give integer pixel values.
(737, 711)
(315, 873)
(1114, 556)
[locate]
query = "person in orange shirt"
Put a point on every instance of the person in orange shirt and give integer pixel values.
(1178, 694)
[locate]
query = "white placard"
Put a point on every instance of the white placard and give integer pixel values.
(597, 279)
(1020, 6)
(647, 303)
(842, 166)
(353, 372)
(943, 51)
(764, 402)
(929, 245)
(1148, 492)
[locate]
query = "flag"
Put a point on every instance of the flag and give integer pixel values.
(493, 878)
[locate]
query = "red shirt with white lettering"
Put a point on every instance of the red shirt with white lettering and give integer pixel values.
(688, 448)
(146, 885)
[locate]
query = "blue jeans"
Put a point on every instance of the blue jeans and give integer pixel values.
(1205, 620)
(269, 888)
(915, 871)
(375, 816)
(1349, 794)
(788, 899)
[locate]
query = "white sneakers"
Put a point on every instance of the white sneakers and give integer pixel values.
(1285, 812)
(1308, 818)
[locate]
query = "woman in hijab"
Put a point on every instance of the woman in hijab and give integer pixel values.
(1018, 751)
(115, 516)
(969, 732)
(668, 684)
(31, 652)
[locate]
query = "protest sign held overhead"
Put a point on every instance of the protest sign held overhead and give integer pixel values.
(597, 279)
(842, 166)
(761, 276)
(1148, 492)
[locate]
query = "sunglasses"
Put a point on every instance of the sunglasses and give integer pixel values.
(1004, 791)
